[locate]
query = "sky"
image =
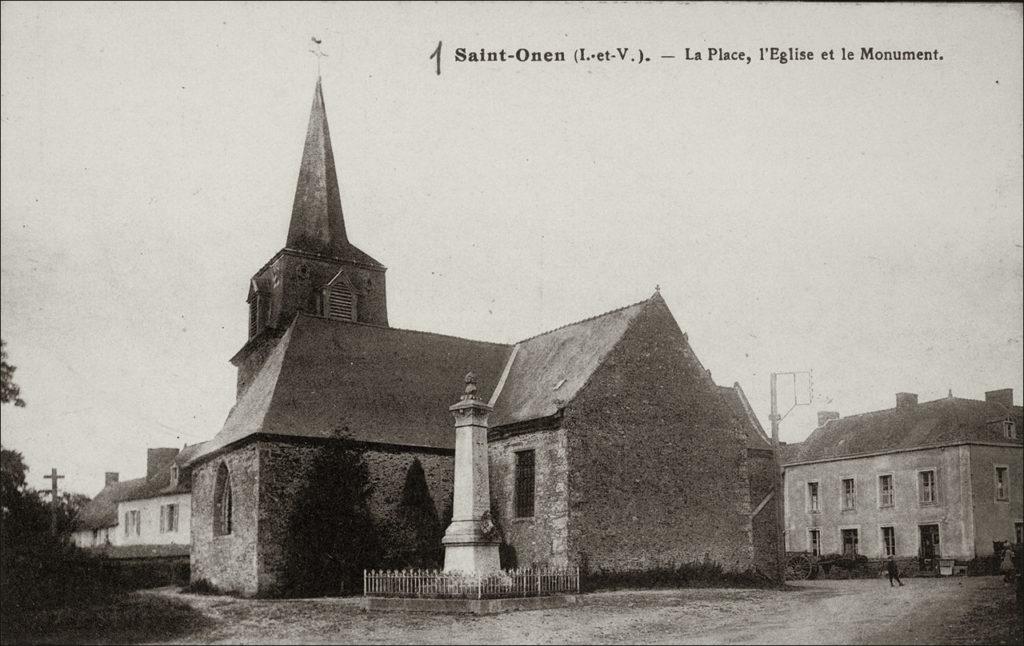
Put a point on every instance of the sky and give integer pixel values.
(858, 219)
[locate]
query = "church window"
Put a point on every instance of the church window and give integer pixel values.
(222, 502)
(524, 497)
(341, 302)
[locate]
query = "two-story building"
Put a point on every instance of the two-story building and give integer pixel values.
(142, 517)
(920, 482)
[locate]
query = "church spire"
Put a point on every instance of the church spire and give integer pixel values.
(317, 224)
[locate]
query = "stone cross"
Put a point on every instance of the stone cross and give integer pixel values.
(53, 477)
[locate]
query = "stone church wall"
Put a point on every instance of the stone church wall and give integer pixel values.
(285, 468)
(226, 562)
(541, 539)
(657, 467)
(761, 466)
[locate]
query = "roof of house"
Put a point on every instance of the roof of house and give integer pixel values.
(101, 511)
(740, 407)
(949, 420)
(326, 378)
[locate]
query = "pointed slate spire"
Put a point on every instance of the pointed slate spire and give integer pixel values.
(317, 224)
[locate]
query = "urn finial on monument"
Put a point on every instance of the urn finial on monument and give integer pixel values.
(468, 544)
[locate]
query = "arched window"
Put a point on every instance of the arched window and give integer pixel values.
(222, 502)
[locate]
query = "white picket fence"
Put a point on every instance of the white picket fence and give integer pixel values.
(440, 584)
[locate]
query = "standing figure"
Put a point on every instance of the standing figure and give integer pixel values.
(893, 570)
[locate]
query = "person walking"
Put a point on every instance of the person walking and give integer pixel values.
(894, 572)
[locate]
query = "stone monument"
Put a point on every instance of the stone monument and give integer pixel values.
(469, 546)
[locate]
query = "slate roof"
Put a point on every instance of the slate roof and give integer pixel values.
(101, 511)
(740, 407)
(949, 420)
(548, 370)
(317, 224)
(328, 379)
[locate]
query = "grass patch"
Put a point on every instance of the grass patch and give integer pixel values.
(114, 619)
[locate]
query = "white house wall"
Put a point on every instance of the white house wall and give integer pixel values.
(149, 531)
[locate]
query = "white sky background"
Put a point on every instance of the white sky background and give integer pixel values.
(859, 218)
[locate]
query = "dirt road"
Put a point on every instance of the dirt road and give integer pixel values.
(961, 610)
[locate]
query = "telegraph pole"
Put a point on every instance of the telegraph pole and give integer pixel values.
(53, 477)
(780, 497)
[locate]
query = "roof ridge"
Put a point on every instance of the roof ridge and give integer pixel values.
(402, 329)
(918, 405)
(589, 318)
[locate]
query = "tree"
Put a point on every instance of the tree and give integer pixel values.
(10, 393)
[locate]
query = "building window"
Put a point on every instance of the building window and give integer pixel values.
(1010, 429)
(341, 302)
(929, 541)
(1002, 484)
(885, 491)
(222, 502)
(813, 504)
(524, 483)
(926, 486)
(889, 541)
(814, 541)
(849, 542)
(849, 493)
(1018, 532)
(168, 518)
(132, 522)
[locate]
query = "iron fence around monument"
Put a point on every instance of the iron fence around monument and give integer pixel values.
(438, 584)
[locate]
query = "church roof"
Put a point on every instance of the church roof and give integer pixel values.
(949, 420)
(737, 400)
(548, 370)
(326, 378)
(317, 224)
(330, 379)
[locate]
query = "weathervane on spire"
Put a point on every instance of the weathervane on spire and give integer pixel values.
(317, 51)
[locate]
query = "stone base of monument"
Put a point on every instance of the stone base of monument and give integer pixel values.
(468, 606)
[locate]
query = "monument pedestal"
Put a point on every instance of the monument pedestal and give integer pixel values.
(467, 546)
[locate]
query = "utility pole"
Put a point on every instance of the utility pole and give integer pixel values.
(780, 497)
(53, 477)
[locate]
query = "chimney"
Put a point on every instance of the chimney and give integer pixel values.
(1003, 396)
(109, 478)
(824, 416)
(159, 461)
(906, 400)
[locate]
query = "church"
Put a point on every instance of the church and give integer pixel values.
(610, 446)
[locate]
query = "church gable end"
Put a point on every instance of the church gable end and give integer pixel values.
(657, 473)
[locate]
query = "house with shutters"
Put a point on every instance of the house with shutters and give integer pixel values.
(143, 517)
(919, 481)
(610, 446)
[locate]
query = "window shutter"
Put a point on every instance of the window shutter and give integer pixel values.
(341, 303)
(163, 518)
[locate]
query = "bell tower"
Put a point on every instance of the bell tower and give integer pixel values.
(318, 272)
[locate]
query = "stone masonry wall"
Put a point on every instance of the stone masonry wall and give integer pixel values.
(657, 466)
(227, 562)
(284, 471)
(761, 468)
(543, 538)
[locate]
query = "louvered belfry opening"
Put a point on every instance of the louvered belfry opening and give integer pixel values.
(254, 316)
(341, 303)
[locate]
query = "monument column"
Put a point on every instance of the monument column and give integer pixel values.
(467, 544)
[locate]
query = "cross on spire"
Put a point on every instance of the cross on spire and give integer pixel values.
(317, 50)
